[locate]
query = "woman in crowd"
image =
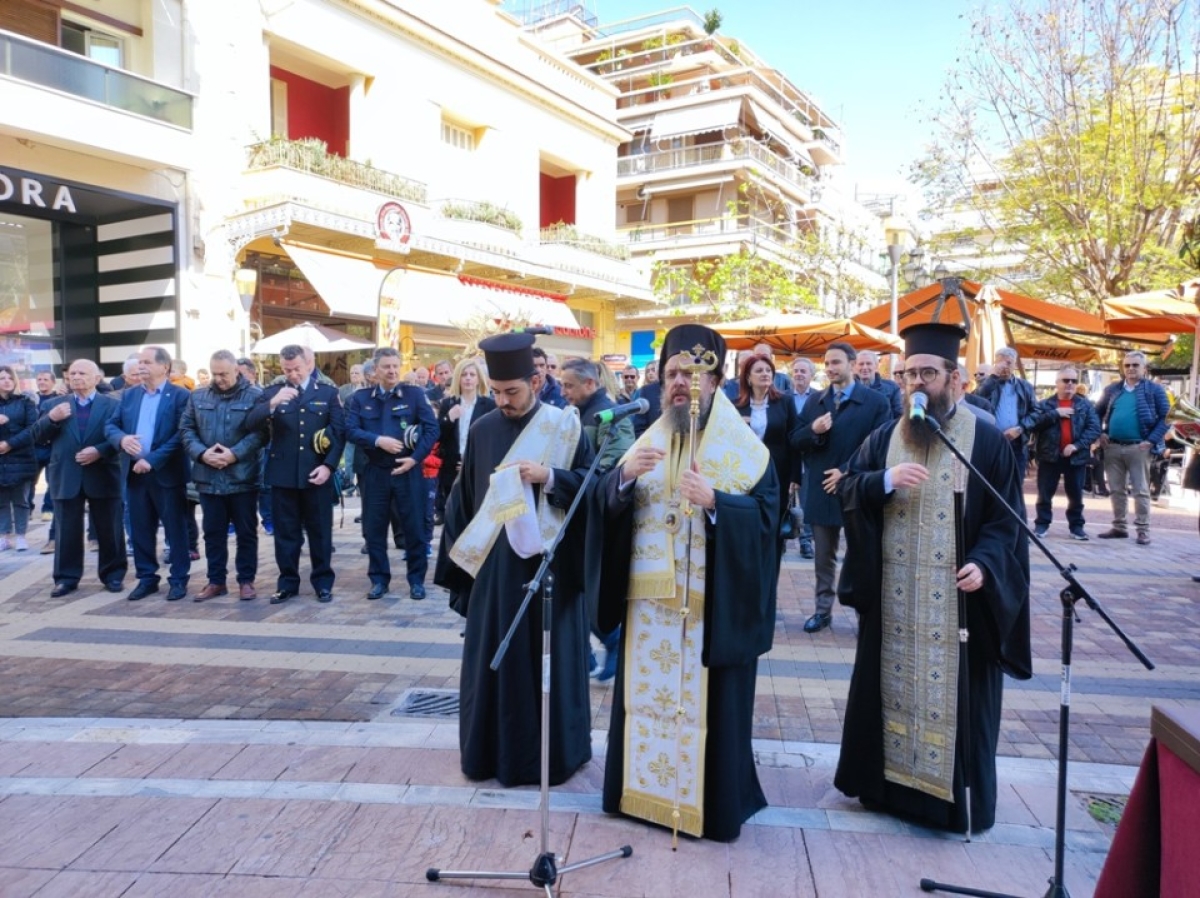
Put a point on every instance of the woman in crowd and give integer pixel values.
(467, 400)
(18, 468)
(772, 416)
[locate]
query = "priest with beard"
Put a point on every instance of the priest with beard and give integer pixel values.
(695, 613)
(524, 463)
(902, 742)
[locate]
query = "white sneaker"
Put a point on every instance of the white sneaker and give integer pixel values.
(22, 545)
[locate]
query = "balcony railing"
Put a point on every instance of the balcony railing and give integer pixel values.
(311, 155)
(755, 230)
(78, 76)
(708, 154)
(568, 235)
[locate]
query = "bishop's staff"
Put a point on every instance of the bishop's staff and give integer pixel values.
(697, 362)
(964, 665)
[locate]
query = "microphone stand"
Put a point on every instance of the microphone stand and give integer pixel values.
(1072, 593)
(545, 870)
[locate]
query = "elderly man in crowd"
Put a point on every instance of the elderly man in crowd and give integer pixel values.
(225, 468)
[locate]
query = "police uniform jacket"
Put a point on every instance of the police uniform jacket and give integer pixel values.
(304, 433)
(372, 414)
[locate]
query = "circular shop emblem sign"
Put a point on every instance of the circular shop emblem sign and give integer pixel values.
(392, 224)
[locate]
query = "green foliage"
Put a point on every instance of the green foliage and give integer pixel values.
(310, 154)
(712, 21)
(488, 213)
(1070, 129)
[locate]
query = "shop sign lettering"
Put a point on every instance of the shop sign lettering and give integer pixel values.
(32, 192)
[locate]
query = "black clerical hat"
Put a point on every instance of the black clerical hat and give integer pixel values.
(933, 338)
(509, 356)
(685, 338)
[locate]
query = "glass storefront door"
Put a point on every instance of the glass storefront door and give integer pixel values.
(29, 341)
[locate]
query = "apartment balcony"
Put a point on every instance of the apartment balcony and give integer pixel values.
(69, 99)
(709, 236)
(733, 154)
(566, 248)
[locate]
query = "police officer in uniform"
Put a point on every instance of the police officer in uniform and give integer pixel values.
(395, 427)
(307, 434)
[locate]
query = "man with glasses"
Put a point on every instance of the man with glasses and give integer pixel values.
(1133, 414)
(831, 426)
(629, 384)
(1066, 425)
(902, 746)
(544, 382)
(1013, 399)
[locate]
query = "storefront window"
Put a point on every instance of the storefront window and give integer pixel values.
(27, 340)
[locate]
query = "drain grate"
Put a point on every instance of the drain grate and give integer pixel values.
(438, 703)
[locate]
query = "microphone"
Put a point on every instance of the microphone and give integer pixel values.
(917, 405)
(536, 329)
(618, 412)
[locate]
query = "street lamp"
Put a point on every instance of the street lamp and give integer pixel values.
(894, 251)
(246, 280)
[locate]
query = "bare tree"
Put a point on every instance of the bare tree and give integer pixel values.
(1072, 128)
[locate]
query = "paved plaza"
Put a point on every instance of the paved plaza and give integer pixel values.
(242, 749)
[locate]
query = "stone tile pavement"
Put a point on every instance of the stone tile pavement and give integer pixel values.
(239, 748)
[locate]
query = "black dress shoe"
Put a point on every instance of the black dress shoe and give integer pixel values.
(817, 622)
(377, 591)
(175, 593)
(324, 595)
(282, 596)
(416, 591)
(115, 585)
(62, 589)
(142, 590)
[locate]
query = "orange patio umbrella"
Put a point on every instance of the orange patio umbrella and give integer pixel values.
(1174, 311)
(991, 314)
(797, 334)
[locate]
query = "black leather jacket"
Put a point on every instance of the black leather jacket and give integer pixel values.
(212, 417)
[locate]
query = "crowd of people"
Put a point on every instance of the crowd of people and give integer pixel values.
(667, 580)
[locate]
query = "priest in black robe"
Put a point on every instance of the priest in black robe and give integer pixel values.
(902, 574)
(683, 699)
(523, 465)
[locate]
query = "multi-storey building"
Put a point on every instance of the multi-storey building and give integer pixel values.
(404, 172)
(726, 156)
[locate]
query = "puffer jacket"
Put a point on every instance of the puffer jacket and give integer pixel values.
(1085, 430)
(212, 417)
(19, 465)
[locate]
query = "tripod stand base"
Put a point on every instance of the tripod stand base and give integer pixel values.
(1057, 890)
(543, 874)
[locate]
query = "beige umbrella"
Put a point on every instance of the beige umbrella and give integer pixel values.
(316, 337)
(793, 334)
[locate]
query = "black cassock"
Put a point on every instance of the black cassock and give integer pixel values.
(500, 711)
(998, 621)
(739, 625)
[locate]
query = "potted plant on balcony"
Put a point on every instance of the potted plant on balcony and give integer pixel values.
(661, 80)
(712, 21)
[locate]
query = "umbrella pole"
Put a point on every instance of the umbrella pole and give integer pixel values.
(1195, 364)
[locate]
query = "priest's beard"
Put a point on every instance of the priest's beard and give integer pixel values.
(679, 416)
(917, 435)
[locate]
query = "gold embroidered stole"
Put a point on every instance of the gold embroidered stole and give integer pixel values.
(665, 683)
(550, 438)
(919, 619)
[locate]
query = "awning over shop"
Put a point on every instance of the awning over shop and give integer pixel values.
(698, 119)
(445, 300)
(348, 285)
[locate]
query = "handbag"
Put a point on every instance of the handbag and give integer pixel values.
(792, 524)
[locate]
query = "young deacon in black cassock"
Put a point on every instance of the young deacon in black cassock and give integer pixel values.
(500, 711)
(997, 604)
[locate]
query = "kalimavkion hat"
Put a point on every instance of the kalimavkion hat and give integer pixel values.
(685, 338)
(509, 356)
(942, 340)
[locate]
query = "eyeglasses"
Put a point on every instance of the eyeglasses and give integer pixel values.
(980, 376)
(1068, 380)
(630, 376)
(925, 375)
(1131, 365)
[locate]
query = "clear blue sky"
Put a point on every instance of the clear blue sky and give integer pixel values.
(874, 65)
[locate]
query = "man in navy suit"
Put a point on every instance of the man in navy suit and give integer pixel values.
(146, 428)
(307, 435)
(380, 421)
(833, 425)
(84, 468)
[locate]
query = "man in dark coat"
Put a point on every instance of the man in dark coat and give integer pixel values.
(902, 741)
(84, 469)
(524, 463)
(225, 468)
(866, 366)
(547, 387)
(394, 427)
(1066, 425)
(694, 612)
(832, 426)
(306, 437)
(1012, 400)
(146, 429)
